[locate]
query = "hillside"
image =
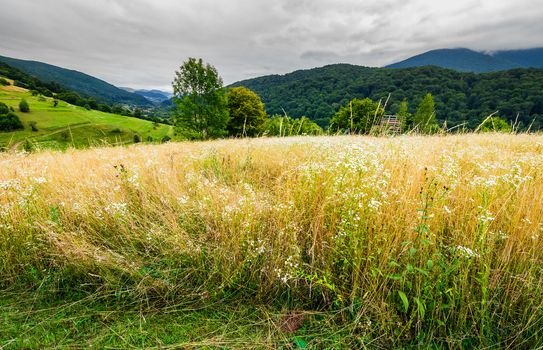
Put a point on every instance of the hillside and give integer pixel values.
(81, 83)
(68, 125)
(527, 58)
(460, 97)
(466, 60)
(463, 60)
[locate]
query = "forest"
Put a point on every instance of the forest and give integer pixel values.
(459, 97)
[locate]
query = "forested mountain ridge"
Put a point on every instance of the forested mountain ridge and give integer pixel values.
(81, 83)
(460, 97)
(466, 60)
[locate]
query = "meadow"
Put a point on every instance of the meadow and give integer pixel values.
(303, 242)
(67, 125)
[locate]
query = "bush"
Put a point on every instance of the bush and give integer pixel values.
(495, 124)
(33, 125)
(23, 106)
(137, 138)
(10, 122)
(4, 82)
(149, 139)
(28, 146)
(165, 139)
(4, 109)
(116, 131)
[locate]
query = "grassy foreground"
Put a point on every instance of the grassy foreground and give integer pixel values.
(71, 126)
(326, 242)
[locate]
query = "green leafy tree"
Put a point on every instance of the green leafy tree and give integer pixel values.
(23, 106)
(10, 122)
(425, 118)
(404, 116)
(4, 109)
(358, 116)
(246, 110)
(138, 113)
(495, 124)
(202, 109)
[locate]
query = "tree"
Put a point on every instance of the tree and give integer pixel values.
(404, 116)
(200, 98)
(358, 116)
(425, 118)
(10, 122)
(246, 110)
(138, 113)
(4, 109)
(23, 106)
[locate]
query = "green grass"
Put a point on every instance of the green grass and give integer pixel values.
(36, 320)
(71, 126)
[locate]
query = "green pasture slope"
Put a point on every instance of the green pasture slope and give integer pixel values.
(71, 126)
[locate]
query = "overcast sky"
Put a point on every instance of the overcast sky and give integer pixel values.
(140, 43)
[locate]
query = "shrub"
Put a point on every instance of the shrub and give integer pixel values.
(10, 122)
(4, 109)
(495, 124)
(137, 138)
(33, 125)
(28, 146)
(4, 82)
(23, 106)
(116, 131)
(165, 139)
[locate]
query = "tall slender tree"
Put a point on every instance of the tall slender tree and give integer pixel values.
(202, 110)
(425, 118)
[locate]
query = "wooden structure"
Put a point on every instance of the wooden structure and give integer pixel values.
(391, 124)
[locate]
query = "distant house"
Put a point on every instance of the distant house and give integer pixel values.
(391, 124)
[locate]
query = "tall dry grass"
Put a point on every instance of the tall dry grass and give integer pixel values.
(412, 238)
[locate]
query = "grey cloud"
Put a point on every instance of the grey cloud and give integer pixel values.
(140, 43)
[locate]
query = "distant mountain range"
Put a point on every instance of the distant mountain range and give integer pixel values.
(466, 60)
(81, 83)
(155, 96)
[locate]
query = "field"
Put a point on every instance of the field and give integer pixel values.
(310, 242)
(71, 126)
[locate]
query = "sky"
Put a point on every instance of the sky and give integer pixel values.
(140, 43)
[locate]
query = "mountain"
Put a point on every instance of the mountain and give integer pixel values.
(460, 97)
(466, 60)
(81, 83)
(463, 60)
(155, 96)
(527, 58)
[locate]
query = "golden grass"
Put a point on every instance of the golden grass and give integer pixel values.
(440, 235)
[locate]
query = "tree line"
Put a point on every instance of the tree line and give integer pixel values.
(205, 109)
(460, 98)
